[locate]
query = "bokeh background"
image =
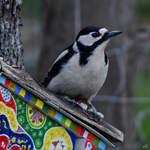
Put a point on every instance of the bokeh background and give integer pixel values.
(51, 26)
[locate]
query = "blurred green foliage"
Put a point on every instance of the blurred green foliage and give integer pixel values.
(142, 86)
(143, 9)
(31, 8)
(146, 128)
(142, 89)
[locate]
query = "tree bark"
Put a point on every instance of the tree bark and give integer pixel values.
(10, 44)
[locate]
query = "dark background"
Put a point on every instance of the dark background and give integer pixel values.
(50, 26)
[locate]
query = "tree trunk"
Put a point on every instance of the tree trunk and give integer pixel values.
(10, 44)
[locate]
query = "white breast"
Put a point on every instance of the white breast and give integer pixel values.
(75, 80)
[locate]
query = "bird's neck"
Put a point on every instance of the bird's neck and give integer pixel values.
(99, 55)
(100, 50)
(92, 52)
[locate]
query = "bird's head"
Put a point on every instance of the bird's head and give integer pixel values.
(91, 37)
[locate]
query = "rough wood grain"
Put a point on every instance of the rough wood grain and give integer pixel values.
(10, 44)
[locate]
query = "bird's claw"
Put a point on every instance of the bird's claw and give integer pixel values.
(93, 114)
(72, 101)
(96, 116)
(83, 106)
(88, 109)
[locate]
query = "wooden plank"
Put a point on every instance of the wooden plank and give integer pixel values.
(24, 79)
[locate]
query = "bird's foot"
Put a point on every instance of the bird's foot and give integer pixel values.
(88, 109)
(93, 114)
(72, 101)
(83, 106)
(81, 102)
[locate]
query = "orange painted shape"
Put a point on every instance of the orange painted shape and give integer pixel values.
(52, 112)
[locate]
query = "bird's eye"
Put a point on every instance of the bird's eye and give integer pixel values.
(96, 34)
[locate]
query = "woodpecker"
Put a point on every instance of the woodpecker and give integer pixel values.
(80, 71)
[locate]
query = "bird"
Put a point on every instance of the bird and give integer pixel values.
(80, 71)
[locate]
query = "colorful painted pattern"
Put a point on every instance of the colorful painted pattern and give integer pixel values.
(22, 140)
(89, 145)
(24, 128)
(35, 123)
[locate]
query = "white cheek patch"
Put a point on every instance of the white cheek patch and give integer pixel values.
(103, 31)
(88, 40)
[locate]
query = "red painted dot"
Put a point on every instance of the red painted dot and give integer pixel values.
(33, 121)
(40, 119)
(30, 111)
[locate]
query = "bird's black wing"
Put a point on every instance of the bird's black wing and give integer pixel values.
(58, 64)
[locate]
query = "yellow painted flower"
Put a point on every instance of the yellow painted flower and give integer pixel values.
(57, 139)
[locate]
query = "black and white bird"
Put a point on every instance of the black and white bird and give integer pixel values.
(80, 71)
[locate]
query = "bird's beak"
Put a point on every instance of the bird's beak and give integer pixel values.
(112, 34)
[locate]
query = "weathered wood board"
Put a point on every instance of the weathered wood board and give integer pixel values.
(52, 107)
